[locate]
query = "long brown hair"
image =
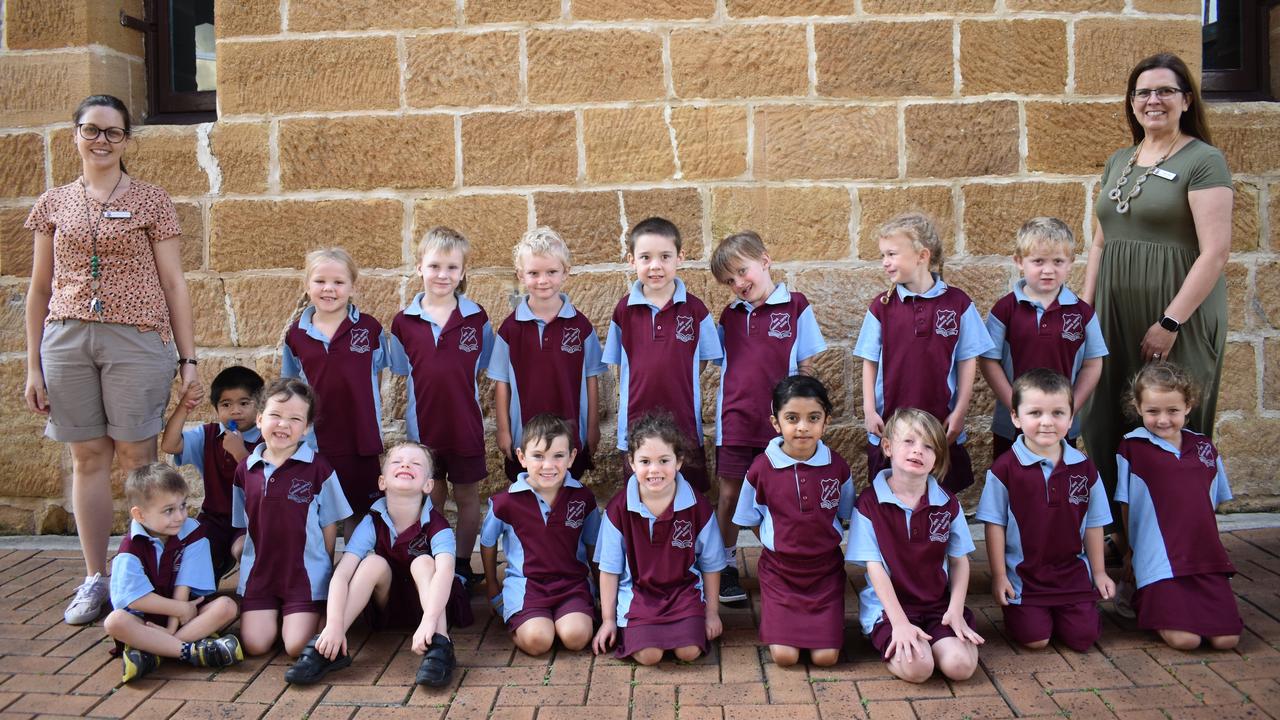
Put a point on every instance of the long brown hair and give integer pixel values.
(1192, 122)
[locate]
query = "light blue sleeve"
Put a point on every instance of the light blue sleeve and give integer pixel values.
(709, 347)
(333, 503)
(592, 354)
(747, 514)
(380, 355)
(996, 331)
(611, 548)
(238, 517)
(809, 340)
(128, 581)
(960, 542)
(486, 348)
(868, 345)
(1099, 512)
(363, 539)
(709, 547)
(1220, 491)
(590, 527)
(1122, 479)
(613, 345)
(192, 448)
(499, 367)
(1094, 344)
(444, 542)
(289, 364)
(196, 571)
(397, 358)
(491, 528)
(993, 507)
(720, 334)
(863, 546)
(974, 338)
(848, 494)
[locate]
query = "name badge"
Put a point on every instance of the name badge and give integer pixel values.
(1161, 172)
(117, 214)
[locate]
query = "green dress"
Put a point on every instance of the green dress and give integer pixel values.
(1146, 255)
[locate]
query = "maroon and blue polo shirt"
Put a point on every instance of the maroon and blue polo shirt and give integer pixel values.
(146, 564)
(798, 505)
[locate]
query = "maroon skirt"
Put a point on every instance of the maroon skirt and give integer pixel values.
(664, 636)
(1202, 604)
(802, 600)
(404, 607)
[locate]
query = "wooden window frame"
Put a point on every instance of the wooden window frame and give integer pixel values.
(1252, 80)
(165, 106)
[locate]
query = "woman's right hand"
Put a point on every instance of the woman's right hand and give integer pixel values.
(37, 399)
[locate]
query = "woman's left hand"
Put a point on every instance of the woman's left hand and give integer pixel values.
(1157, 343)
(191, 379)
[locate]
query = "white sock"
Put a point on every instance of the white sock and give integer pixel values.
(731, 554)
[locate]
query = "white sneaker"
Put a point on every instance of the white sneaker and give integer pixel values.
(86, 606)
(1124, 600)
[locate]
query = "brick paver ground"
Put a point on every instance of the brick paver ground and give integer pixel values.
(48, 669)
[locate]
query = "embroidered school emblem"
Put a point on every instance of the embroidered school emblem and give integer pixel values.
(420, 545)
(575, 514)
(571, 341)
(684, 328)
(1078, 489)
(1072, 326)
(177, 560)
(360, 340)
(945, 324)
(301, 492)
(1207, 456)
(682, 534)
(830, 493)
(940, 526)
(780, 325)
(467, 340)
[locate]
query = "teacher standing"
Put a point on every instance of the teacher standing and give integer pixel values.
(1155, 272)
(107, 305)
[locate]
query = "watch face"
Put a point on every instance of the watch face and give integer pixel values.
(1169, 324)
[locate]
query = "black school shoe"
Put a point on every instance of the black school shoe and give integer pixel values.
(730, 587)
(438, 663)
(311, 666)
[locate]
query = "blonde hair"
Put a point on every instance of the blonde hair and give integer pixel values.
(1041, 232)
(313, 260)
(444, 239)
(919, 229)
(1161, 375)
(426, 452)
(905, 419)
(744, 245)
(147, 481)
(541, 241)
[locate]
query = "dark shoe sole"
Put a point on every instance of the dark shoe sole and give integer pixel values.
(328, 667)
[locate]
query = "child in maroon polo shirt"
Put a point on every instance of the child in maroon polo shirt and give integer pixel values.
(910, 534)
(660, 555)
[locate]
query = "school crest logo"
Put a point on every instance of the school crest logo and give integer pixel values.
(1078, 490)
(360, 340)
(301, 492)
(830, 493)
(575, 514)
(682, 534)
(571, 341)
(940, 526)
(1072, 326)
(420, 545)
(177, 561)
(1207, 456)
(945, 323)
(684, 328)
(467, 340)
(780, 325)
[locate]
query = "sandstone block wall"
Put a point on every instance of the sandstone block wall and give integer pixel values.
(361, 123)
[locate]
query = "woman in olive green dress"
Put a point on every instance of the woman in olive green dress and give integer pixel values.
(1161, 240)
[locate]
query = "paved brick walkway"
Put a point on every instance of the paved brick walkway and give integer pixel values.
(48, 669)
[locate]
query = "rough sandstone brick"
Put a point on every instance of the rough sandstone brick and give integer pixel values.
(31, 465)
(590, 222)
(45, 24)
(880, 204)
(382, 295)
(994, 212)
(962, 140)
(840, 296)
(321, 15)
(1246, 224)
(369, 229)
(627, 145)
(1239, 390)
(1265, 306)
(15, 243)
(795, 141)
(568, 66)
(263, 305)
(1273, 242)
(232, 19)
(984, 283)
(884, 59)
(785, 8)
(308, 75)
(642, 9)
(739, 61)
(1166, 7)
(1107, 48)
(1068, 5)
(1022, 56)
(21, 165)
(835, 368)
(522, 148)
(711, 142)
(1240, 315)
(163, 155)
(463, 69)
(63, 79)
(596, 293)
(1247, 136)
(1252, 472)
(682, 206)
(501, 11)
(1271, 374)
(1073, 138)
(809, 223)
(492, 224)
(191, 223)
(317, 152)
(913, 7)
(208, 304)
(242, 155)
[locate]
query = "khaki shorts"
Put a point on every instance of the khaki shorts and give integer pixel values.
(105, 379)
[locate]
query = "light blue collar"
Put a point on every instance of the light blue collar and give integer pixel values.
(1145, 434)
(938, 288)
(636, 296)
(780, 459)
(304, 453)
(937, 496)
(466, 307)
(1027, 457)
(524, 314)
(253, 434)
(137, 529)
(380, 506)
(522, 483)
(684, 497)
(779, 296)
(1065, 296)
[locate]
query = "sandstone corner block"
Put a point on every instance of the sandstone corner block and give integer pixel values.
(711, 142)
(232, 19)
(994, 212)
(1020, 56)
(1106, 49)
(21, 165)
(242, 155)
(1074, 138)
(590, 222)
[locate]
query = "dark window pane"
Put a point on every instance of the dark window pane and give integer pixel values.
(1223, 34)
(191, 45)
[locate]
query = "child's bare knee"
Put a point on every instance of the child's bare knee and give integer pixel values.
(1224, 642)
(225, 608)
(1180, 640)
(1037, 644)
(784, 655)
(688, 653)
(534, 638)
(914, 671)
(574, 636)
(647, 656)
(117, 621)
(825, 657)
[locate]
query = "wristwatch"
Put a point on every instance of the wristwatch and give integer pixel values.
(193, 361)
(1170, 324)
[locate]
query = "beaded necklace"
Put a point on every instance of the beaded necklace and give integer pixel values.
(1122, 205)
(95, 262)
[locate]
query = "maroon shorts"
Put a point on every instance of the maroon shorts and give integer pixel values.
(1201, 604)
(733, 461)
(221, 535)
(664, 636)
(358, 475)
(931, 623)
(1001, 445)
(581, 464)
(459, 469)
(693, 468)
(404, 606)
(286, 606)
(959, 472)
(802, 600)
(1076, 625)
(575, 603)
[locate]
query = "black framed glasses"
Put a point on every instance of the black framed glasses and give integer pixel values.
(1164, 93)
(91, 132)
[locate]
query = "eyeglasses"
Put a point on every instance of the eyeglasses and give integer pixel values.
(1164, 93)
(91, 132)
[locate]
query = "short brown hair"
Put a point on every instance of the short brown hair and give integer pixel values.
(426, 452)
(1192, 122)
(745, 245)
(658, 424)
(1161, 375)
(1049, 382)
(543, 429)
(446, 239)
(147, 481)
(289, 388)
(661, 227)
(904, 419)
(1042, 231)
